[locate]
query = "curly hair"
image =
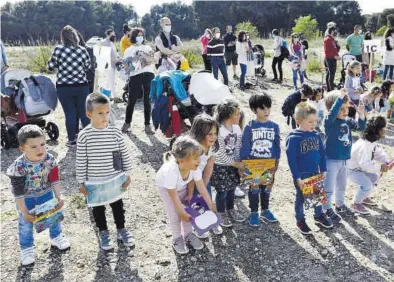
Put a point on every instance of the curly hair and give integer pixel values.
(375, 125)
(225, 110)
(69, 36)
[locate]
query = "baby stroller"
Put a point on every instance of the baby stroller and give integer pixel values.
(346, 60)
(259, 54)
(20, 107)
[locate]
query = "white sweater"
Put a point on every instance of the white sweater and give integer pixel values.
(367, 156)
(242, 49)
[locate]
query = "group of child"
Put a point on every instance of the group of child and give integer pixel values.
(210, 155)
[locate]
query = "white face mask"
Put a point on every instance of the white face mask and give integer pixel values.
(139, 39)
(167, 29)
(217, 35)
(296, 40)
(208, 36)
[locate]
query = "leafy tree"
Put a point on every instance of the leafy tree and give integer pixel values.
(381, 30)
(390, 20)
(306, 25)
(247, 26)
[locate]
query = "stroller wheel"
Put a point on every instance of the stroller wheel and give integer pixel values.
(52, 130)
(126, 96)
(6, 139)
(262, 71)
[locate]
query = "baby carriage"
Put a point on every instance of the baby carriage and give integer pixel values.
(181, 97)
(346, 60)
(25, 99)
(259, 54)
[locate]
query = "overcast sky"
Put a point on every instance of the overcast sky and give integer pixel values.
(143, 6)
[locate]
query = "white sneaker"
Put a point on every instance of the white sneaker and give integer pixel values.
(60, 242)
(217, 230)
(27, 256)
(203, 236)
(238, 192)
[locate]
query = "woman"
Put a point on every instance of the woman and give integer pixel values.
(140, 64)
(305, 44)
(215, 51)
(125, 41)
(388, 58)
(242, 48)
(109, 41)
(204, 41)
(278, 59)
(72, 87)
(331, 56)
(297, 59)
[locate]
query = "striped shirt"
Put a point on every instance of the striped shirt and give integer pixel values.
(96, 153)
(215, 48)
(229, 146)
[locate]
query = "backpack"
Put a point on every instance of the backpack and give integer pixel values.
(36, 95)
(284, 50)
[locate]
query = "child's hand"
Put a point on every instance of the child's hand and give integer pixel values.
(361, 109)
(344, 93)
(60, 202)
(28, 217)
(188, 198)
(83, 190)
(384, 168)
(240, 165)
(212, 207)
(300, 183)
(185, 216)
(127, 183)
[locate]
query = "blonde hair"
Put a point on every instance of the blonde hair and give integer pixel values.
(303, 110)
(184, 146)
(331, 97)
(350, 68)
(69, 36)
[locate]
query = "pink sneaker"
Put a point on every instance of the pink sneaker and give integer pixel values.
(359, 208)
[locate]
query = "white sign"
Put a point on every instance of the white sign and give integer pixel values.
(371, 46)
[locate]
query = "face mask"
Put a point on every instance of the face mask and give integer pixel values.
(112, 38)
(217, 35)
(139, 39)
(296, 39)
(167, 29)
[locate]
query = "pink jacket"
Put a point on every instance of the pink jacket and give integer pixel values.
(204, 41)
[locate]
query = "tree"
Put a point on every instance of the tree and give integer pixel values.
(306, 25)
(381, 31)
(371, 22)
(248, 27)
(390, 20)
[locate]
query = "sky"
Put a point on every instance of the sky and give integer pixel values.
(143, 6)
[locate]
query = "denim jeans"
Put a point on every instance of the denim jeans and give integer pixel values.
(224, 200)
(388, 72)
(295, 72)
(299, 204)
(73, 100)
(366, 182)
(209, 189)
(25, 228)
(218, 63)
(243, 74)
(253, 196)
(335, 181)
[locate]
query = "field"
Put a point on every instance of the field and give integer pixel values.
(359, 249)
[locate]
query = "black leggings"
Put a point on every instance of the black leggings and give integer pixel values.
(117, 211)
(207, 62)
(331, 64)
(279, 61)
(139, 86)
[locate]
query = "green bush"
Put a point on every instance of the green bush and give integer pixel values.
(306, 25)
(381, 31)
(38, 59)
(192, 52)
(248, 27)
(313, 64)
(268, 54)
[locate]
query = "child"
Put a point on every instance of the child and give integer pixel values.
(338, 126)
(366, 162)
(238, 190)
(260, 140)
(387, 88)
(353, 81)
(371, 99)
(181, 166)
(34, 180)
(305, 154)
(205, 131)
(318, 102)
(225, 175)
(102, 155)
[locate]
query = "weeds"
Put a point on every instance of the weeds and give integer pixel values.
(314, 65)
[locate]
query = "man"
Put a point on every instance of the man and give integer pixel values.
(331, 56)
(109, 41)
(355, 44)
(230, 53)
(166, 42)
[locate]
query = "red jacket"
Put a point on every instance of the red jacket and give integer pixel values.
(330, 47)
(204, 41)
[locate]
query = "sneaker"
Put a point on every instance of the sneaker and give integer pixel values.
(193, 241)
(344, 210)
(274, 80)
(235, 76)
(369, 202)
(217, 230)
(238, 192)
(303, 227)
(333, 216)
(280, 81)
(235, 215)
(254, 219)
(60, 242)
(27, 256)
(268, 216)
(71, 144)
(148, 129)
(324, 221)
(125, 236)
(359, 208)
(179, 246)
(105, 240)
(203, 236)
(226, 222)
(125, 127)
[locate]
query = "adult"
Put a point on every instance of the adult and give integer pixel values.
(297, 59)
(125, 41)
(305, 44)
(90, 74)
(230, 52)
(141, 69)
(330, 57)
(278, 58)
(329, 25)
(215, 50)
(388, 57)
(205, 38)
(3, 62)
(242, 51)
(109, 41)
(367, 56)
(72, 62)
(167, 43)
(354, 44)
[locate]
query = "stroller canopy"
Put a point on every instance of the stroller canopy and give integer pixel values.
(347, 59)
(10, 77)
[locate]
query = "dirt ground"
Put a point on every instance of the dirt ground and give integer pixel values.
(359, 249)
